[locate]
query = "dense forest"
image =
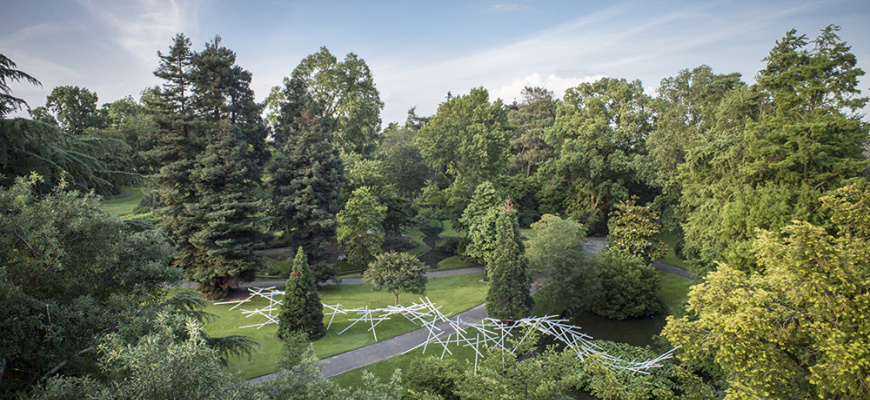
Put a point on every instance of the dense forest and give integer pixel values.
(764, 184)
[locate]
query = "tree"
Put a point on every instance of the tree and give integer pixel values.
(344, 92)
(70, 273)
(557, 257)
(685, 108)
(532, 117)
(509, 295)
(8, 70)
(479, 220)
(401, 161)
(362, 234)
(301, 309)
(634, 229)
(75, 109)
(397, 272)
(600, 136)
(776, 149)
(307, 174)
(468, 138)
(628, 286)
(803, 312)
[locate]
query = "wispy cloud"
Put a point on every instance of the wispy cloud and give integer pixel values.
(557, 84)
(144, 26)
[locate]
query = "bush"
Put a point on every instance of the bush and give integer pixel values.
(433, 376)
(452, 245)
(629, 285)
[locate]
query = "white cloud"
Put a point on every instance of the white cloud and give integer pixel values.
(558, 85)
(141, 27)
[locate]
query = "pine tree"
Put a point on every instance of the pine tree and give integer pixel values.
(301, 309)
(178, 144)
(509, 295)
(306, 177)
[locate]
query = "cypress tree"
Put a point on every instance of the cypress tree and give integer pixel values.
(509, 295)
(301, 309)
(306, 177)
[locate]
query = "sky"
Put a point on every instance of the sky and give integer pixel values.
(418, 51)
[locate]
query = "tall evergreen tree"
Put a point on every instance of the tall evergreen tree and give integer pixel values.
(479, 218)
(301, 309)
(307, 174)
(509, 295)
(176, 148)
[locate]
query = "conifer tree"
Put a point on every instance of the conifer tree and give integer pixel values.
(362, 233)
(301, 309)
(177, 146)
(306, 176)
(509, 295)
(479, 218)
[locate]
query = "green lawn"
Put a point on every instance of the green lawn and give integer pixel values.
(125, 203)
(416, 236)
(449, 231)
(455, 294)
(673, 292)
(671, 240)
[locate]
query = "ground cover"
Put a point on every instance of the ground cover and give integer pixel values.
(125, 203)
(674, 292)
(455, 294)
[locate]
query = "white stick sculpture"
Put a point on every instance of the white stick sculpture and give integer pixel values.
(445, 331)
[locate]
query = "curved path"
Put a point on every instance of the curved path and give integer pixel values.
(367, 355)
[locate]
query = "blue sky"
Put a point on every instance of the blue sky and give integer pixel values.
(417, 50)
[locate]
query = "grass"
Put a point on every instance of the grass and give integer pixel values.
(454, 293)
(673, 292)
(454, 262)
(448, 230)
(671, 240)
(124, 204)
(416, 236)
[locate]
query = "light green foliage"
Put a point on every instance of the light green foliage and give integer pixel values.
(634, 230)
(362, 234)
(479, 218)
(599, 134)
(629, 285)
(557, 256)
(468, 137)
(800, 328)
(775, 149)
(301, 309)
(397, 272)
(9, 70)
(344, 92)
(510, 283)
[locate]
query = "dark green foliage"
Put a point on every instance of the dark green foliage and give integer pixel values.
(27, 146)
(301, 309)
(307, 174)
(8, 70)
(75, 109)
(532, 116)
(629, 285)
(510, 283)
(775, 149)
(434, 376)
(401, 162)
(397, 272)
(599, 135)
(69, 274)
(225, 180)
(558, 258)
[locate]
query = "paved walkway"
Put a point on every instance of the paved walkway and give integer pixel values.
(367, 355)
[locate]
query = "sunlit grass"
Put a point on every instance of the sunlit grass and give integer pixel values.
(124, 204)
(454, 293)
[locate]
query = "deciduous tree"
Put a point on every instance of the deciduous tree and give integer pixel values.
(397, 272)
(362, 234)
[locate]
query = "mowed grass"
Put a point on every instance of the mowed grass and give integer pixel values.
(674, 292)
(670, 258)
(124, 204)
(455, 294)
